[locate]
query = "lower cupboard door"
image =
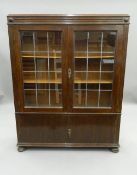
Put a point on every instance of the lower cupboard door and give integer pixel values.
(94, 129)
(40, 129)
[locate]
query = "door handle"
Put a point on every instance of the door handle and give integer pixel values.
(69, 73)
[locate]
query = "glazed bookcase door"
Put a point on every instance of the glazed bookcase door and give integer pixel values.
(94, 65)
(42, 59)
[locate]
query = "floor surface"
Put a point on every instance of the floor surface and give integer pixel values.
(68, 161)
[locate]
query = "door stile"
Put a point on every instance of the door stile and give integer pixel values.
(70, 68)
(65, 58)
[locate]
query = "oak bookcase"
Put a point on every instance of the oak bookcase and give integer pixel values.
(68, 76)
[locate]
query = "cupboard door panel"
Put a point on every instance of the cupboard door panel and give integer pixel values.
(38, 128)
(96, 62)
(94, 129)
(41, 58)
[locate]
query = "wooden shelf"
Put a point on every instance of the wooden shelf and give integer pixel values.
(76, 81)
(44, 81)
(39, 56)
(97, 57)
(79, 57)
(93, 82)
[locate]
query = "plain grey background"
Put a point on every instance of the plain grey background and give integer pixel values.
(69, 7)
(68, 161)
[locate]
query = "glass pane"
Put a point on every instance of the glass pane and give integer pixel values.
(30, 97)
(27, 41)
(80, 65)
(94, 58)
(43, 99)
(80, 45)
(41, 45)
(79, 98)
(28, 65)
(106, 77)
(41, 65)
(105, 98)
(92, 98)
(56, 101)
(93, 65)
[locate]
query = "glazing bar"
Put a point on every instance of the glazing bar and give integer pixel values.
(35, 64)
(100, 68)
(87, 69)
(55, 69)
(48, 65)
(79, 94)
